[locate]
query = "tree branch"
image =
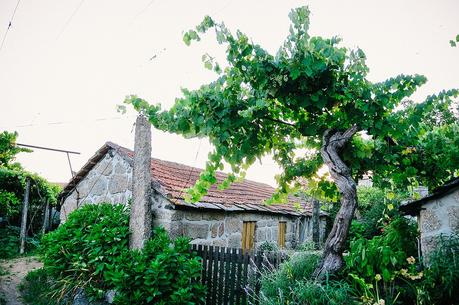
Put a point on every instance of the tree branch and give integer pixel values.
(279, 121)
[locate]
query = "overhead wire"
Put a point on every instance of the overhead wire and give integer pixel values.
(75, 11)
(10, 23)
(192, 169)
(70, 122)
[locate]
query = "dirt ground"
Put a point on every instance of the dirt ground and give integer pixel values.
(16, 270)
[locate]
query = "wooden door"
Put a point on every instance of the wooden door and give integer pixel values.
(248, 235)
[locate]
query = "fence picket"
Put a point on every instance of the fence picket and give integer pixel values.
(228, 272)
(232, 283)
(209, 275)
(227, 283)
(215, 275)
(221, 275)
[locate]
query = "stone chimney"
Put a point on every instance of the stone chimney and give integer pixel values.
(140, 220)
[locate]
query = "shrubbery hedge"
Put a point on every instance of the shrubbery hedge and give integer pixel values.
(90, 251)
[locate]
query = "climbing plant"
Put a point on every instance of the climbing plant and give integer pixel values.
(9, 149)
(309, 105)
(13, 182)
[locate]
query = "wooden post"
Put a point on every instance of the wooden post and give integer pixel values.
(141, 218)
(25, 208)
(316, 223)
(45, 225)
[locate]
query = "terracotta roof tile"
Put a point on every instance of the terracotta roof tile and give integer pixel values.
(174, 178)
(250, 195)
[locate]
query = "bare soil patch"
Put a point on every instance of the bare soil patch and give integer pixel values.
(16, 270)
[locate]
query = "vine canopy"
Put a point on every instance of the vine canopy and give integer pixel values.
(281, 104)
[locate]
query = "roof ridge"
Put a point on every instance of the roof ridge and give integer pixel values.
(192, 168)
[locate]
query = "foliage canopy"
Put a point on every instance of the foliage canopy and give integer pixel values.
(282, 104)
(9, 150)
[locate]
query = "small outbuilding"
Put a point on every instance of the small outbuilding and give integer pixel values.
(235, 217)
(437, 214)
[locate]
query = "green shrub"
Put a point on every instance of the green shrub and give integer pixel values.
(9, 243)
(376, 208)
(268, 246)
(90, 251)
(383, 267)
(307, 246)
(441, 278)
(291, 284)
(385, 253)
(81, 249)
(165, 272)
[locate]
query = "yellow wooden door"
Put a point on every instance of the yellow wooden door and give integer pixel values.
(248, 235)
(281, 234)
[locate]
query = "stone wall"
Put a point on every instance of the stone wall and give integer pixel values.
(110, 180)
(224, 229)
(437, 217)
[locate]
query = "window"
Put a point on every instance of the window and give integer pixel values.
(248, 235)
(281, 234)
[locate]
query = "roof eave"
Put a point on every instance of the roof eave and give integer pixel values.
(412, 208)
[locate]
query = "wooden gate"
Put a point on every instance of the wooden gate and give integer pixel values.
(232, 275)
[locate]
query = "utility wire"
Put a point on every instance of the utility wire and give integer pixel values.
(191, 169)
(143, 10)
(10, 23)
(70, 19)
(70, 122)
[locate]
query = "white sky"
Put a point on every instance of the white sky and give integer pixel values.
(61, 77)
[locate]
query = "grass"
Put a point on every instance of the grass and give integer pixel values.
(35, 288)
(3, 272)
(2, 298)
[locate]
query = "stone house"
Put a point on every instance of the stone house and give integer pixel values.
(437, 214)
(235, 217)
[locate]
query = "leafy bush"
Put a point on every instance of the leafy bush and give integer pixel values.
(268, 246)
(307, 246)
(90, 251)
(377, 208)
(441, 279)
(383, 267)
(385, 253)
(9, 243)
(292, 284)
(79, 251)
(165, 272)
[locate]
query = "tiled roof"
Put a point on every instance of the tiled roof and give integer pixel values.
(171, 179)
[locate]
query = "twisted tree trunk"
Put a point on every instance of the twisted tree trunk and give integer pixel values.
(333, 142)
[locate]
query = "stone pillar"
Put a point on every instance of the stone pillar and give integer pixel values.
(140, 220)
(25, 209)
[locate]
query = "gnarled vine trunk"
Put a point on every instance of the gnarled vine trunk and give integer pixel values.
(333, 142)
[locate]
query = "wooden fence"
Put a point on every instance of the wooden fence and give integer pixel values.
(232, 275)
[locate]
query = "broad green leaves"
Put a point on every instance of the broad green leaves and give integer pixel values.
(281, 104)
(9, 150)
(454, 43)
